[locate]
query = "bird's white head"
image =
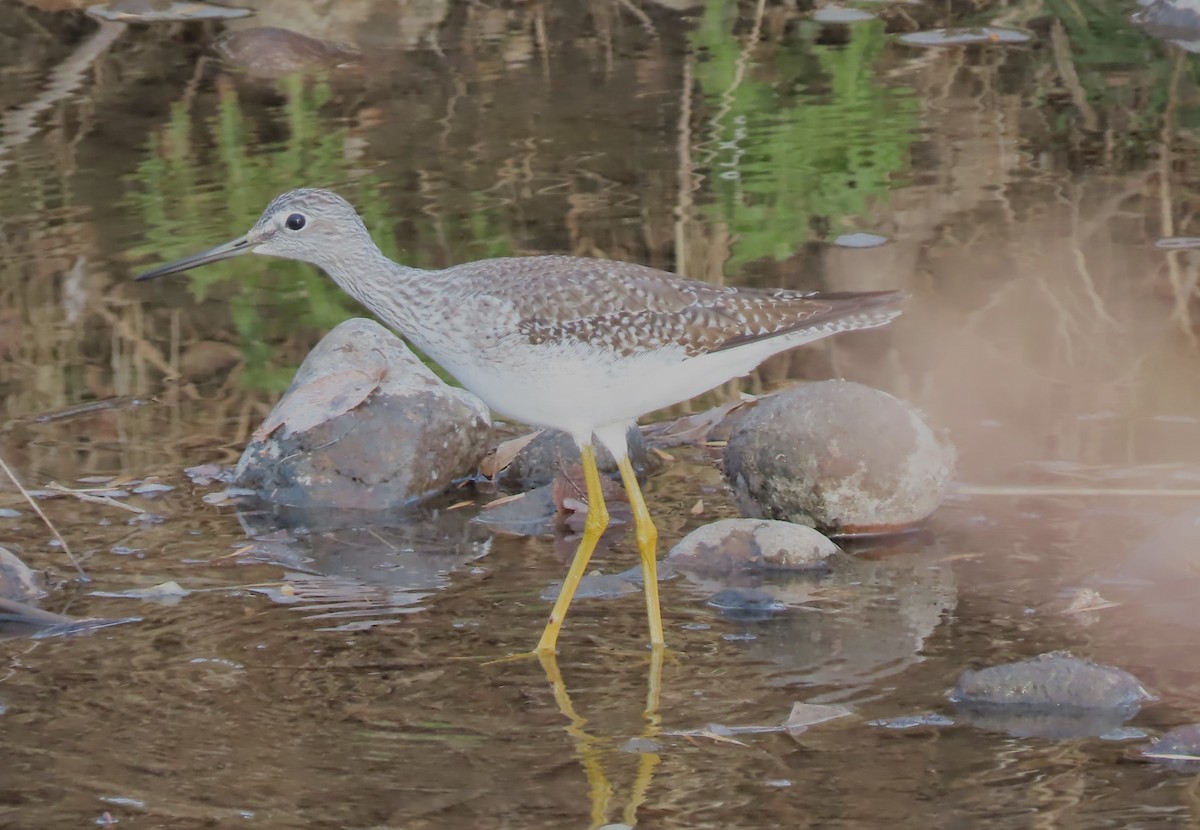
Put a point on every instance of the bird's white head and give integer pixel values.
(310, 225)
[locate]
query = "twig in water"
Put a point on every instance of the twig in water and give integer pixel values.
(37, 509)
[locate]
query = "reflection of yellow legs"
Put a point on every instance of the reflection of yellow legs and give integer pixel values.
(597, 521)
(590, 753)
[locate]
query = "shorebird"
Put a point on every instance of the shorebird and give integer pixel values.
(581, 345)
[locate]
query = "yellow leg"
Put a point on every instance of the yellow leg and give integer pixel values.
(597, 521)
(647, 539)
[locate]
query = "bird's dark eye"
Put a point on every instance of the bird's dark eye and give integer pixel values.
(295, 222)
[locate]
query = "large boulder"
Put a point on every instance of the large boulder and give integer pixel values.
(365, 424)
(839, 456)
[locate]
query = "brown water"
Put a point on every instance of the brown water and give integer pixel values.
(1023, 188)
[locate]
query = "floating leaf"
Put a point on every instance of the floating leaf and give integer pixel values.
(841, 14)
(167, 593)
(964, 36)
(133, 11)
(203, 475)
(860, 239)
(1171, 243)
(804, 715)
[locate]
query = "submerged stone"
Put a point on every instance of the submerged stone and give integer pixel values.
(839, 456)
(365, 424)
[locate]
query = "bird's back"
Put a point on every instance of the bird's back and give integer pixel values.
(630, 308)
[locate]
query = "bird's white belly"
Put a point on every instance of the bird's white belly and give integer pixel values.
(579, 388)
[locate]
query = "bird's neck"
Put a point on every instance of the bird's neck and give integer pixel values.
(399, 295)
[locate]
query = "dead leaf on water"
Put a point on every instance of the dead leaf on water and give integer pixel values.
(318, 401)
(690, 429)
(203, 475)
(569, 494)
(1086, 600)
(167, 593)
(804, 715)
(503, 500)
(497, 460)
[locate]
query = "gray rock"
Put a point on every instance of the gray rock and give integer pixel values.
(839, 456)
(731, 545)
(538, 462)
(1053, 679)
(364, 425)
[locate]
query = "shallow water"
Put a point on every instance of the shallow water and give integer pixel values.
(1023, 188)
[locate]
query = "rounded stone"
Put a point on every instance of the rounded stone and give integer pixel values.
(732, 545)
(553, 451)
(839, 456)
(365, 424)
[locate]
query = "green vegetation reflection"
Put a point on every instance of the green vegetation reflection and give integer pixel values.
(815, 139)
(185, 209)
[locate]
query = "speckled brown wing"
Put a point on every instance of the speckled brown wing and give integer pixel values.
(630, 308)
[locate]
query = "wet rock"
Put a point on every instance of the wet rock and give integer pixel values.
(1053, 679)
(17, 580)
(364, 425)
(1052, 695)
(731, 545)
(542, 458)
(1178, 749)
(839, 456)
(271, 52)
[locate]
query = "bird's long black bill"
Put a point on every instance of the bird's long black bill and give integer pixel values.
(230, 249)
